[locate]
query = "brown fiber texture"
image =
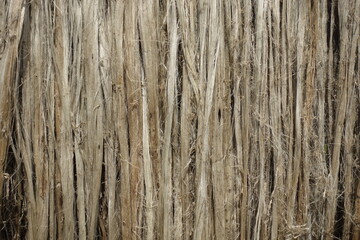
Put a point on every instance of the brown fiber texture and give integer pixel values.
(180, 119)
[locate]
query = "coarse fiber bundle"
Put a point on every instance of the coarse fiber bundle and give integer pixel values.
(180, 119)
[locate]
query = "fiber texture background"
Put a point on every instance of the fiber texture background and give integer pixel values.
(179, 119)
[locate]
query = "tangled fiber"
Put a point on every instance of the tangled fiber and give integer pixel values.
(179, 119)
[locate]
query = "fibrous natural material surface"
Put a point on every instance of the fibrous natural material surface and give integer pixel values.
(179, 119)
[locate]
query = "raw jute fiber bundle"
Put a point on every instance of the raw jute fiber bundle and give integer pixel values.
(179, 119)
